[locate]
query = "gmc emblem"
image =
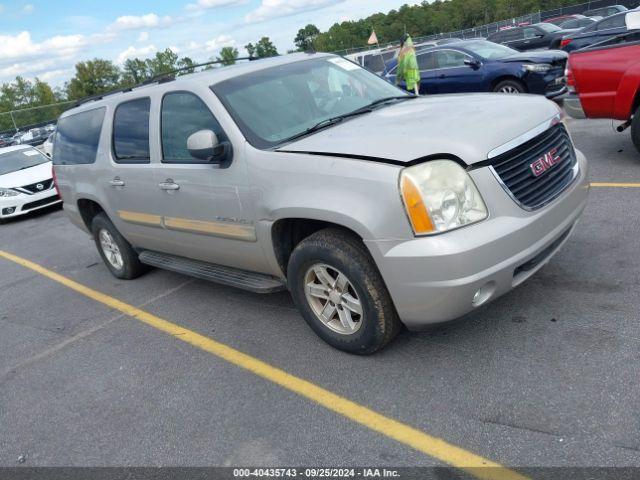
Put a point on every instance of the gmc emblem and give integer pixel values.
(547, 162)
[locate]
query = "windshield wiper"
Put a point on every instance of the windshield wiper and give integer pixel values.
(380, 101)
(339, 118)
(326, 123)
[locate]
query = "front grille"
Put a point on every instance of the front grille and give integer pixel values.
(33, 188)
(516, 168)
(40, 203)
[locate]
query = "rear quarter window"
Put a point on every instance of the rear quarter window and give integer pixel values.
(77, 138)
(618, 21)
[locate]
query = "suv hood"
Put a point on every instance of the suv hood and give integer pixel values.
(540, 56)
(466, 126)
(27, 176)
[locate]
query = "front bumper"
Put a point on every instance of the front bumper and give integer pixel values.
(551, 84)
(440, 278)
(23, 203)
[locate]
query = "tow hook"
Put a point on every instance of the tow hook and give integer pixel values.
(624, 126)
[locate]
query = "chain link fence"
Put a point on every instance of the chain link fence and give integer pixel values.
(25, 119)
(484, 31)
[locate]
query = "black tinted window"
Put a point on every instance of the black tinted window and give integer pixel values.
(614, 22)
(77, 137)
(131, 131)
(511, 35)
(451, 59)
(426, 61)
(183, 114)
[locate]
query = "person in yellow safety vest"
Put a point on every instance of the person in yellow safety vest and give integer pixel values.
(408, 65)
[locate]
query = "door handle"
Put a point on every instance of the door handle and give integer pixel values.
(169, 185)
(116, 182)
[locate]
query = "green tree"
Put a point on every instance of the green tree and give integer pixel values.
(305, 38)
(24, 97)
(135, 71)
(92, 78)
(427, 18)
(263, 48)
(228, 55)
(162, 62)
(187, 64)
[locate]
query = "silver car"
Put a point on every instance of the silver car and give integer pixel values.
(374, 208)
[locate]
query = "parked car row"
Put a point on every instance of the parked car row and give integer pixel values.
(482, 66)
(569, 33)
(34, 136)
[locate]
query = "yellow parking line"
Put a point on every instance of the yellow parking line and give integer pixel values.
(435, 447)
(615, 185)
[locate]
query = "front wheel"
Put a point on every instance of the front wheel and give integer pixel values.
(340, 293)
(510, 87)
(635, 129)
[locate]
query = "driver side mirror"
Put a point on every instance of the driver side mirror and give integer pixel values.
(473, 63)
(204, 145)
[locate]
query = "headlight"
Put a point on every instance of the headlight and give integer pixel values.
(440, 196)
(7, 192)
(537, 67)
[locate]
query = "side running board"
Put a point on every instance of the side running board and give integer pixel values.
(254, 282)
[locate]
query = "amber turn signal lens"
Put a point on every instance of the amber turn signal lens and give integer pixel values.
(416, 209)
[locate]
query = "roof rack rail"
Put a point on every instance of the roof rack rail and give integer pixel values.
(171, 75)
(160, 78)
(100, 96)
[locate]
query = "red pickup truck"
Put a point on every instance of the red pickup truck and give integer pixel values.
(604, 82)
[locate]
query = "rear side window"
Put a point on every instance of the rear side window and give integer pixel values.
(131, 131)
(183, 114)
(77, 138)
(614, 22)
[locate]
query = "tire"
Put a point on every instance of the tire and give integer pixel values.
(510, 87)
(635, 129)
(342, 255)
(120, 258)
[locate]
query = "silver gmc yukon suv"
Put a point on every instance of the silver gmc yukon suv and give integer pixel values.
(374, 208)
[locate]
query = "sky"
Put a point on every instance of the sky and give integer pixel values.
(47, 38)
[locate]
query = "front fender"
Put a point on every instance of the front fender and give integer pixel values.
(361, 195)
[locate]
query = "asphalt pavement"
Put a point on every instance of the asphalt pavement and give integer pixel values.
(544, 376)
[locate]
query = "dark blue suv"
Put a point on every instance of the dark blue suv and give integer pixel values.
(481, 66)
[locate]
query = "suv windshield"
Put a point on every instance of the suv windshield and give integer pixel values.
(20, 159)
(489, 50)
(278, 103)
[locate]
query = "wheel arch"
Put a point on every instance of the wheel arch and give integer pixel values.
(627, 99)
(510, 76)
(88, 209)
(288, 232)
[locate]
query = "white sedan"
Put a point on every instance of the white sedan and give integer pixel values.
(26, 182)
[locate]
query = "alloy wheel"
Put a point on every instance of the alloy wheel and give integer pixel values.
(333, 299)
(509, 89)
(110, 249)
